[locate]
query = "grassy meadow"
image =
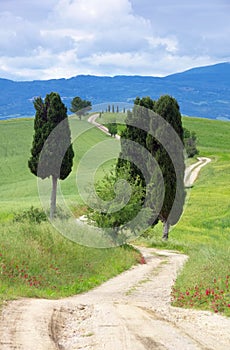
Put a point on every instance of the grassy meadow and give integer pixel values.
(35, 260)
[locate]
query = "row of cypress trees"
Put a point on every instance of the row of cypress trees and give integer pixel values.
(163, 139)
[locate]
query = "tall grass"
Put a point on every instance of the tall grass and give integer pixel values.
(35, 260)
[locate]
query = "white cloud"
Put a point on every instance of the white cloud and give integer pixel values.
(54, 39)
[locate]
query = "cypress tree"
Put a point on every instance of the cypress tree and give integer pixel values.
(166, 147)
(171, 163)
(52, 153)
(138, 116)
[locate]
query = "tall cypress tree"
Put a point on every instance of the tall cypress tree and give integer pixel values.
(166, 147)
(52, 153)
(170, 160)
(133, 133)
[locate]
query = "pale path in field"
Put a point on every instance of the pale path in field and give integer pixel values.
(193, 170)
(92, 120)
(129, 312)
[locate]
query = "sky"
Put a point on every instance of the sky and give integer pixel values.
(52, 39)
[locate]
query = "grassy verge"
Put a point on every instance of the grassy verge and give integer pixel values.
(36, 261)
(204, 229)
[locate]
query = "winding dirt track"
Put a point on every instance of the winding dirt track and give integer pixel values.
(129, 312)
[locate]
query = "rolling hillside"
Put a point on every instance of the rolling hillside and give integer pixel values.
(201, 92)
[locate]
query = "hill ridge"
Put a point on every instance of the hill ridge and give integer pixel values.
(201, 91)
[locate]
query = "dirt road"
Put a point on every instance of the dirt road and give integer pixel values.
(130, 311)
(92, 119)
(193, 170)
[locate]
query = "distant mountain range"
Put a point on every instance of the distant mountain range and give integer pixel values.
(201, 92)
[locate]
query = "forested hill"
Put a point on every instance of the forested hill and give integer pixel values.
(202, 92)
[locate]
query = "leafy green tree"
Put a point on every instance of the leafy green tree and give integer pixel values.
(52, 153)
(120, 209)
(112, 128)
(146, 102)
(80, 107)
(190, 143)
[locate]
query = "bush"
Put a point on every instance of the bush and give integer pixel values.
(190, 143)
(33, 215)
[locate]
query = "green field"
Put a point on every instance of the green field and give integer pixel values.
(18, 187)
(35, 260)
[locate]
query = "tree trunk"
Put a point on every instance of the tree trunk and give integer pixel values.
(53, 197)
(165, 230)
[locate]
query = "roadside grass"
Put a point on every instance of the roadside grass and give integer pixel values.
(203, 231)
(36, 261)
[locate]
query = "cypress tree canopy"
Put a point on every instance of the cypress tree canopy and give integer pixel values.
(52, 152)
(158, 129)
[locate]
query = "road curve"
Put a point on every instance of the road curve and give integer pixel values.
(191, 172)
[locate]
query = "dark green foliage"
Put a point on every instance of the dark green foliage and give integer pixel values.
(137, 135)
(52, 153)
(112, 128)
(33, 215)
(57, 154)
(190, 143)
(122, 206)
(171, 160)
(80, 107)
(163, 138)
(146, 102)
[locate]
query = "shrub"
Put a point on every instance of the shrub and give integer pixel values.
(33, 215)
